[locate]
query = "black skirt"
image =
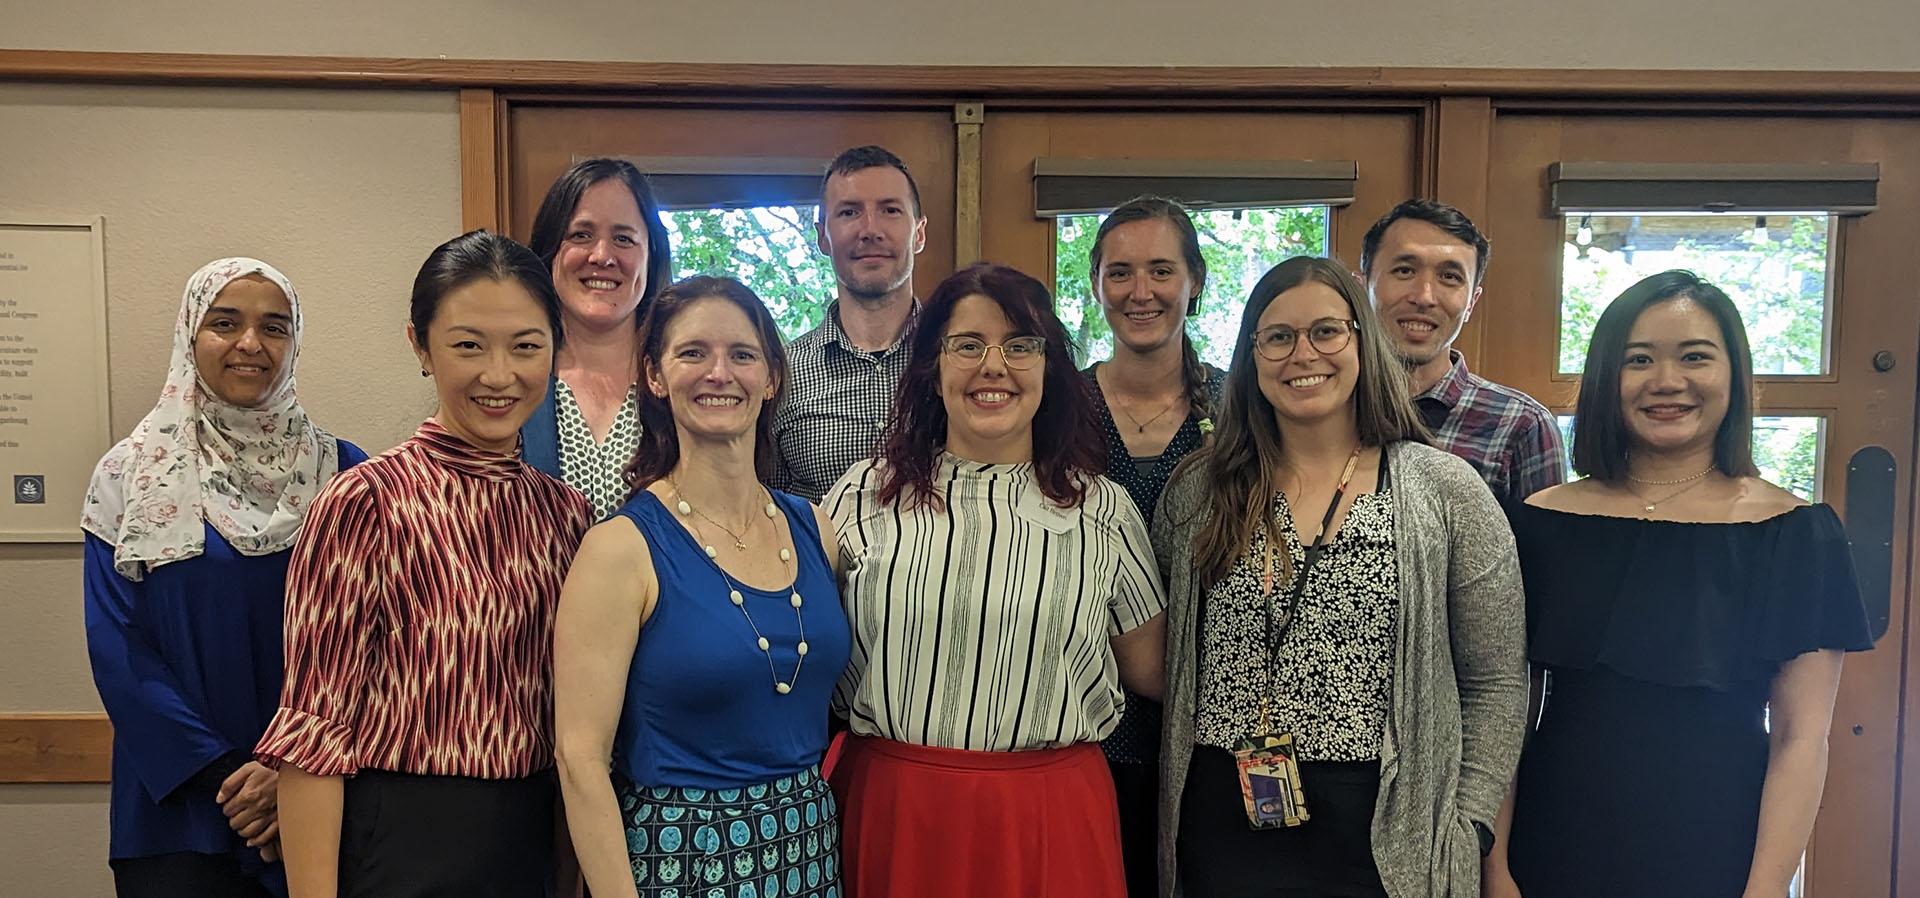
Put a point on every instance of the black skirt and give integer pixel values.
(405, 836)
(1329, 856)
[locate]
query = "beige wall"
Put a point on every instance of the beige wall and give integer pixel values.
(1714, 34)
(344, 191)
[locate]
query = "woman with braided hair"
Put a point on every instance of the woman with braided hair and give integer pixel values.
(1155, 400)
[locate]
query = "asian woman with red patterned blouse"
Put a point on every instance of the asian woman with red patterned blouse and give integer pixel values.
(415, 730)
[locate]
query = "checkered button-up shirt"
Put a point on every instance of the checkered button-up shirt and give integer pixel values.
(1510, 438)
(838, 399)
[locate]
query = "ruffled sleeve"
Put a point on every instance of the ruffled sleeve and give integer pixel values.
(1720, 606)
(1812, 596)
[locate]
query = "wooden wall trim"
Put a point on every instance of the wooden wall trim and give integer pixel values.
(480, 160)
(59, 747)
(1462, 150)
(968, 118)
(976, 82)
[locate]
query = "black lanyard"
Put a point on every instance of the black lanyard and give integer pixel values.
(1306, 567)
(1299, 586)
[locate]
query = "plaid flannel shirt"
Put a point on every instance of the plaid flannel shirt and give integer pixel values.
(1511, 439)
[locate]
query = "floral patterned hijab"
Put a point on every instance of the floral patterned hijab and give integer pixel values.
(251, 473)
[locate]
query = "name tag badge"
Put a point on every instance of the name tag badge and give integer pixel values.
(1270, 781)
(1033, 505)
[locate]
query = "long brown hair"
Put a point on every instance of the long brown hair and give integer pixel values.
(1241, 464)
(659, 450)
(1193, 374)
(1065, 455)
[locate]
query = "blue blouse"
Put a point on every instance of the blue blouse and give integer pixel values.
(701, 709)
(188, 664)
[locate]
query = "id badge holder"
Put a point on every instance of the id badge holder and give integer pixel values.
(1270, 781)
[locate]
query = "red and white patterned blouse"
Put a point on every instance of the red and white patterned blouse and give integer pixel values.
(420, 602)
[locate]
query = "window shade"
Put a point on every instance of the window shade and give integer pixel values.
(710, 182)
(1847, 188)
(1083, 186)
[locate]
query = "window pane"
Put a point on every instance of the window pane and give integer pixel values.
(1773, 266)
(769, 248)
(1239, 246)
(1789, 451)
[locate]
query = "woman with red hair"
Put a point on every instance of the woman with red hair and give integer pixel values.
(1000, 592)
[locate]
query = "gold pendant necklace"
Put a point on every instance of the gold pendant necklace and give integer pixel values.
(1690, 481)
(739, 599)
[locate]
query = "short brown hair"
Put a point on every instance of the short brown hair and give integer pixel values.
(1601, 438)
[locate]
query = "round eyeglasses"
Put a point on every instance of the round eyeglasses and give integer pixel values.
(1019, 352)
(1328, 336)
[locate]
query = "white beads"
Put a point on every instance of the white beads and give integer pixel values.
(795, 601)
(771, 511)
(764, 644)
(710, 552)
(785, 555)
(801, 648)
(685, 509)
(736, 598)
(782, 688)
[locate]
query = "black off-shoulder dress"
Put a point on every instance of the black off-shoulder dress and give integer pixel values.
(1660, 641)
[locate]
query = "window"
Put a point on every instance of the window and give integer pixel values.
(1774, 266)
(1239, 246)
(1789, 450)
(769, 248)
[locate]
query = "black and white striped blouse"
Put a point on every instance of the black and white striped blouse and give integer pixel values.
(983, 623)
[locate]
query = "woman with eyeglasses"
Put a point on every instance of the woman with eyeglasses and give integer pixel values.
(1000, 592)
(1345, 682)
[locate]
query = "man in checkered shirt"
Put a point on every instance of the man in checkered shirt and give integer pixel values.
(1423, 262)
(842, 374)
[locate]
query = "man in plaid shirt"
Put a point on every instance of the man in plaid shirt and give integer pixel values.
(1423, 262)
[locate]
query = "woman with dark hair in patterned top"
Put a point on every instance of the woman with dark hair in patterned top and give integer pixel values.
(1345, 686)
(598, 231)
(1155, 400)
(415, 734)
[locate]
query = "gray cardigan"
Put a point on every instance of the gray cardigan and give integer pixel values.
(1459, 690)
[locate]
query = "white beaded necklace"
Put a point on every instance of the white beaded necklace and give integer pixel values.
(739, 599)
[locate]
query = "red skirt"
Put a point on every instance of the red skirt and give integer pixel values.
(945, 823)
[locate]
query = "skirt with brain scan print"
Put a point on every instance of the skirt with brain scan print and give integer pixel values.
(773, 840)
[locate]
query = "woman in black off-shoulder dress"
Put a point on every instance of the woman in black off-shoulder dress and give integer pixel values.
(1687, 620)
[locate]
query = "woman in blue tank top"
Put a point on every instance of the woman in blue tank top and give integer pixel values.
(700, 634)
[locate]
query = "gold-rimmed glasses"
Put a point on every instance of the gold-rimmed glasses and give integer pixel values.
(1328, 336)
(1018, 352)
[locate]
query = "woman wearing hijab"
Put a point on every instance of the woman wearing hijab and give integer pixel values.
(189, 524)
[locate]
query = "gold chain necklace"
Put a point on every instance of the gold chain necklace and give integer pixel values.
(1141, 426)
(739, 540)
(1690, 481)
(739, 599)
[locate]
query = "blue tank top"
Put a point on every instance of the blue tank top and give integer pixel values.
(701, 709)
